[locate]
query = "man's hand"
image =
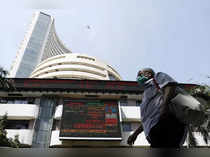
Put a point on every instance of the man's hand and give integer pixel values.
(131, 139)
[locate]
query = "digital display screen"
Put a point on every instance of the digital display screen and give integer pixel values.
(90, 119)
(77, 85)
(83, 85)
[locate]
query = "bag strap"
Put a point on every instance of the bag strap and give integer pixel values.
(156, 84)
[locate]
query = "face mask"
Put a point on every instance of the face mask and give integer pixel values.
(142, 79)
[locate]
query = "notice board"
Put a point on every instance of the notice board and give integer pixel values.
(90, 119)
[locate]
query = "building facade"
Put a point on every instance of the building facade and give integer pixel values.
(35, 111)
(75, 66)
(40, 42)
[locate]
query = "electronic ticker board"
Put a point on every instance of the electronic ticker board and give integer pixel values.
(90, 119)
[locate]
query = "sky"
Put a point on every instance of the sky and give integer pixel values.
(168, 36)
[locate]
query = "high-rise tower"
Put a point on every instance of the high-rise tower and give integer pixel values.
(40, 43)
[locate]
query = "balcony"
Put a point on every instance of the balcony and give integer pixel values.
(58, 112)
(55, 138)
(19, 111)
(25, 135)
(130, 113)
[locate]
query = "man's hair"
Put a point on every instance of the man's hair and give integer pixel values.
(149, 70)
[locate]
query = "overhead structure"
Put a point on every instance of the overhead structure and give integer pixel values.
(75, 66)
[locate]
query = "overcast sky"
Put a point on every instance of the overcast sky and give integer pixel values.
(169, 36)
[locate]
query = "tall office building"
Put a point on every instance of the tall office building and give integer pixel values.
(40, 43)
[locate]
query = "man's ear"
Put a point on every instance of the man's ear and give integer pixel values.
(149, 74)
(138, 73)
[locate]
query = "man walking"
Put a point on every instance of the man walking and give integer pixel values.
(161, 128)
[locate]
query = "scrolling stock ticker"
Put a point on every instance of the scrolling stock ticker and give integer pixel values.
(90, 119)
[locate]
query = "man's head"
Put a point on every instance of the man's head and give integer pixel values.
(147, 72)
(144, 75)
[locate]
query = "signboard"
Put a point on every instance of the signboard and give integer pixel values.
(77, 85)
(90, 119)
(70, 85)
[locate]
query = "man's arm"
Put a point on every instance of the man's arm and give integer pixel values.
(138, 130)
(132, 138)
(169, 92)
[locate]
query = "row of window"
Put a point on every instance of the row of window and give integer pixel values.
(125, 103)
(130, 126)
(71, 69)
(68, 63)
(126, 126)
(88, 65)
(32, 101)
(24, 124)
(54, 46)
(17, 100)
(17, 124)
(84, 57)
(111, 77)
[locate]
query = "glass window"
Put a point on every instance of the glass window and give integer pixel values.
(17, 124)
(111, 77)
(123, 103)
(10, 102)
(138, 103)
(18, 101)
(3, 101)
(31, 100)
(56, 125)
(126, 126)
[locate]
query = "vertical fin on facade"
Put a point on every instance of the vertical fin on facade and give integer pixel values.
(44, 123)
